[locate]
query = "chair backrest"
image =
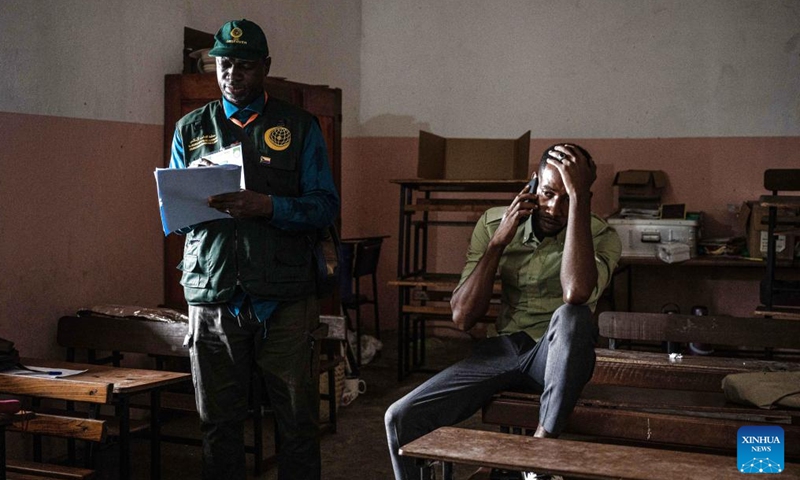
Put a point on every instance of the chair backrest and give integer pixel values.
(368, 252)
(782, 179)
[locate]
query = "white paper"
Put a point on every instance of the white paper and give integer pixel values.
(183, 194)
(229, 156)
(42, 372)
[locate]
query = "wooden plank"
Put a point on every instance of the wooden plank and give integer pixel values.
(494, 310)
(112, 427)
(780, 201)
(43, 470)
(570, 458)
(778, 313)
(442, 185)
(444, 282)
(656, 370)
(123, 334)
(714, 329)
(62, 426)
(645, 428)
(125, 381)
(654, 400)
(83, 390)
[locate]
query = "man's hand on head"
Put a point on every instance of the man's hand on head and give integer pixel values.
(243, 204)
(577, 171)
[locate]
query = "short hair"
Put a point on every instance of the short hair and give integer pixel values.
(545, 156)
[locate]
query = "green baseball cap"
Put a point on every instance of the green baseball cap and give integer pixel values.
(240, 39)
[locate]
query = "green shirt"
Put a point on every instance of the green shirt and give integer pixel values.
(530, 271)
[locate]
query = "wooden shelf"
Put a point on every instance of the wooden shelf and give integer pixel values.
(787, 201)
(494, 310)
(440, 185)
(779, 313)
(439, 282)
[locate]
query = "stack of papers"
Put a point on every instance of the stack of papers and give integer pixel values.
(183, 193)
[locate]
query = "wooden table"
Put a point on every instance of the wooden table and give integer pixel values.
(706, 263)
(99, 385)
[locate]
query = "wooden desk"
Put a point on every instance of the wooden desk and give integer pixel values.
(102, 385)
(708, 263)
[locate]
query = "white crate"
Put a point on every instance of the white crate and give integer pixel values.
(641, 237)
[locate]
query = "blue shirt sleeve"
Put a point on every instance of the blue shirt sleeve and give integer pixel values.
(318, 203)
(177, 159)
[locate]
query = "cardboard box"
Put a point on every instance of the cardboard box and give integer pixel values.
(642, 237)
(473, 158)
(753, 217)
(640, 188)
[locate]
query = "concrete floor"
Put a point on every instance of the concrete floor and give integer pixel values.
(357, 451)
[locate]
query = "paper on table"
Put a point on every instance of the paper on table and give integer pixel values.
(46, 372)
(183, 194)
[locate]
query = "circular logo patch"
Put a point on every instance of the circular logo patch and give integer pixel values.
(278, 138)
(236, 32)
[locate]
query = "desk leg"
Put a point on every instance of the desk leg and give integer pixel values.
(447, 470)
(124, 438)
(2, 452)
(155, 434)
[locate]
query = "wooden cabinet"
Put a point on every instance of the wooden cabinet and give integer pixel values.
(184, 93)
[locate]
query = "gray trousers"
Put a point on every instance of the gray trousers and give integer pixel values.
(557, 367)
(224, 351)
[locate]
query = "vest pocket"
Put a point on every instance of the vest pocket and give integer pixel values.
(293, 263)
(193, 274)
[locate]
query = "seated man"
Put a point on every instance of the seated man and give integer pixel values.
(554, 258)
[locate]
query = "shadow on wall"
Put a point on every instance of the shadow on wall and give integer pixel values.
(399, 125)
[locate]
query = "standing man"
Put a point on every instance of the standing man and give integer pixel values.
(250, 279)
(554, 258)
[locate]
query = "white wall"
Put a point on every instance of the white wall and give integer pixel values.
(591, 68)
(106, 59)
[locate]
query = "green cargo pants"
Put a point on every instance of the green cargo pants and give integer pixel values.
(224, 351)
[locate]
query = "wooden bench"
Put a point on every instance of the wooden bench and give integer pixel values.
(649, 399)
(571, 459)
(73, 428)
(23, 470)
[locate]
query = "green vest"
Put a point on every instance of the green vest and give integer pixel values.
(268, 263)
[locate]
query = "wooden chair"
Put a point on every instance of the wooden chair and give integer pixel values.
(780, 297)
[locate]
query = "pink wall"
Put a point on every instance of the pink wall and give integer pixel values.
(707, 174)
(79, 222)
(80, 226)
